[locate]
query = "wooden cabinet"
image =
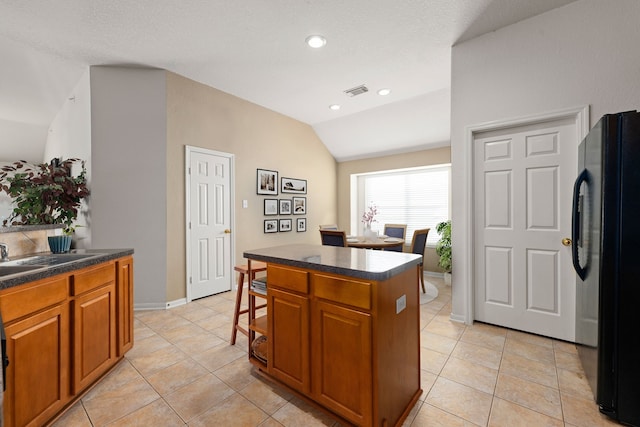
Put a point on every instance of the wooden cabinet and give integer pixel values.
(94, 324)
(61, 338)
(288, 326)
(348, 344)
(288, 338)
(38, 350)
(124, 309)
(342, 361)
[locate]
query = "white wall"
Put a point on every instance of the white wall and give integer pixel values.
(69, 136)
(128, 158)
(585, 53)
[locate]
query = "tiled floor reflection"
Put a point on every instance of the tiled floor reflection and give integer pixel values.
(182, 371)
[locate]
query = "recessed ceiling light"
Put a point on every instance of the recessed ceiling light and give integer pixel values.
(384, 92)
(334, 107)
(316, 41)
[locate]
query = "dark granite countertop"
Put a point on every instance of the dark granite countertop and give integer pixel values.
(361, 263)
(98, 256)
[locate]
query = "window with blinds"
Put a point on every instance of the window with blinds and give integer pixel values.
(416, 197)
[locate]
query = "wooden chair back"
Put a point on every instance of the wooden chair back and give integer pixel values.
(329, 227)
(333, 238)
(418, 243)
(396, 230)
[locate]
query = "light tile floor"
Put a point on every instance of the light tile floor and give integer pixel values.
(182, 371)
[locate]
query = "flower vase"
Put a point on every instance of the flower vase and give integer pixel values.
(369, 234)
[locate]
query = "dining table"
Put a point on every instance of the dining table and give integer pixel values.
(379, 242)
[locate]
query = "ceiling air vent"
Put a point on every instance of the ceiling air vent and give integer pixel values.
(358, 90)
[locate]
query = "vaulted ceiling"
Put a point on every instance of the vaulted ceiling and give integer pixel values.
(256, 50)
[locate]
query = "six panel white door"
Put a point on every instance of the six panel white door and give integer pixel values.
(210, 224)
(523, 185)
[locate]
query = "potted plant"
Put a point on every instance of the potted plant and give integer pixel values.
(45, 194)
(443, 249)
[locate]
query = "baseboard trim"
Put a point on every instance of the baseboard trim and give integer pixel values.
(434, 274)
(456, 318)
(148, 306)
(176, 303)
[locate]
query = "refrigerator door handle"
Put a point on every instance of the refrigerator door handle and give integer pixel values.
(576, 224)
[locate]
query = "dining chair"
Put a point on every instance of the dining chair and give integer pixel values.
(333, 238)
(329, 227)
(418, 243)
(395, 230)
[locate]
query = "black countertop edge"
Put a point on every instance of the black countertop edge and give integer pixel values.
(410, 261)
(101, 255)
(26, 228)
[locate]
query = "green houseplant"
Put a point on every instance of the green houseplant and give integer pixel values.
(443, 248)
(45, 193)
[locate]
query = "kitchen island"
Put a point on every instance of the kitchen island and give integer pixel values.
(342, 329)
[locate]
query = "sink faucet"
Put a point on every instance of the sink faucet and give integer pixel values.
(4, 252)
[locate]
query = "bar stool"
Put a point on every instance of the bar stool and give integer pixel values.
(256, 267)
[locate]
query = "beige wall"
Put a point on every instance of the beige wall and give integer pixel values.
(201, 116)
(399, 161)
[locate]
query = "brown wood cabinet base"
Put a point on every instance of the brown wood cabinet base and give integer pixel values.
(349, 346)
(64, 333)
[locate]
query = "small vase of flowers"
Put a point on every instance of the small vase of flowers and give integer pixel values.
(369, 217)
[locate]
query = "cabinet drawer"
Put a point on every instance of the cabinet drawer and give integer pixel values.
(92, 277)
(27, 299)
(288, 278)
(344, 291)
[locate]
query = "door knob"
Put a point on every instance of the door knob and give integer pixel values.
(227, 231)
(566, 241)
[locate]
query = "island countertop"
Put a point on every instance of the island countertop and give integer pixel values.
(94, 256)
(361, 263)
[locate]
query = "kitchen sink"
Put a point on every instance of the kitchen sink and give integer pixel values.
(6, 270)
(50, 260)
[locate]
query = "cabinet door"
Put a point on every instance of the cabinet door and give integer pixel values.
(38, 371)
(288, 339)
(94, 335)
(124, 295)
(341, 361)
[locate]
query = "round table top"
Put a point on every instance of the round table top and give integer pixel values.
(374, 243)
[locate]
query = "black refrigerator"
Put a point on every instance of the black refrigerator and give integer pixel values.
(606, 257)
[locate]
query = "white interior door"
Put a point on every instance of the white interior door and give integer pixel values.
(523, 185)
(208, 223)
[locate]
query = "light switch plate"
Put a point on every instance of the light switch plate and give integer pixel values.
(245, 204)
(401, 303)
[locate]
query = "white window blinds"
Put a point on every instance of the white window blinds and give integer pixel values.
(416, 197)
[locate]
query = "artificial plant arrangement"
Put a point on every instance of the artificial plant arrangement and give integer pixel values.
(44, 193)
(443, 247)
(369, 216)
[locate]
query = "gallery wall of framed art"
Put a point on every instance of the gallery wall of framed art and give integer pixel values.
(286, 209)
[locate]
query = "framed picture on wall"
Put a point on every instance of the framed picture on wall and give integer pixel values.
(271, 207)
(301, 225)
(285, 206)
(299, 205)
(267, 182)
(292, 185)
(270, 225)
(285, 225)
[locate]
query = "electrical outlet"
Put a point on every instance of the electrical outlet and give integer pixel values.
(401, 303)
(245, 204)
